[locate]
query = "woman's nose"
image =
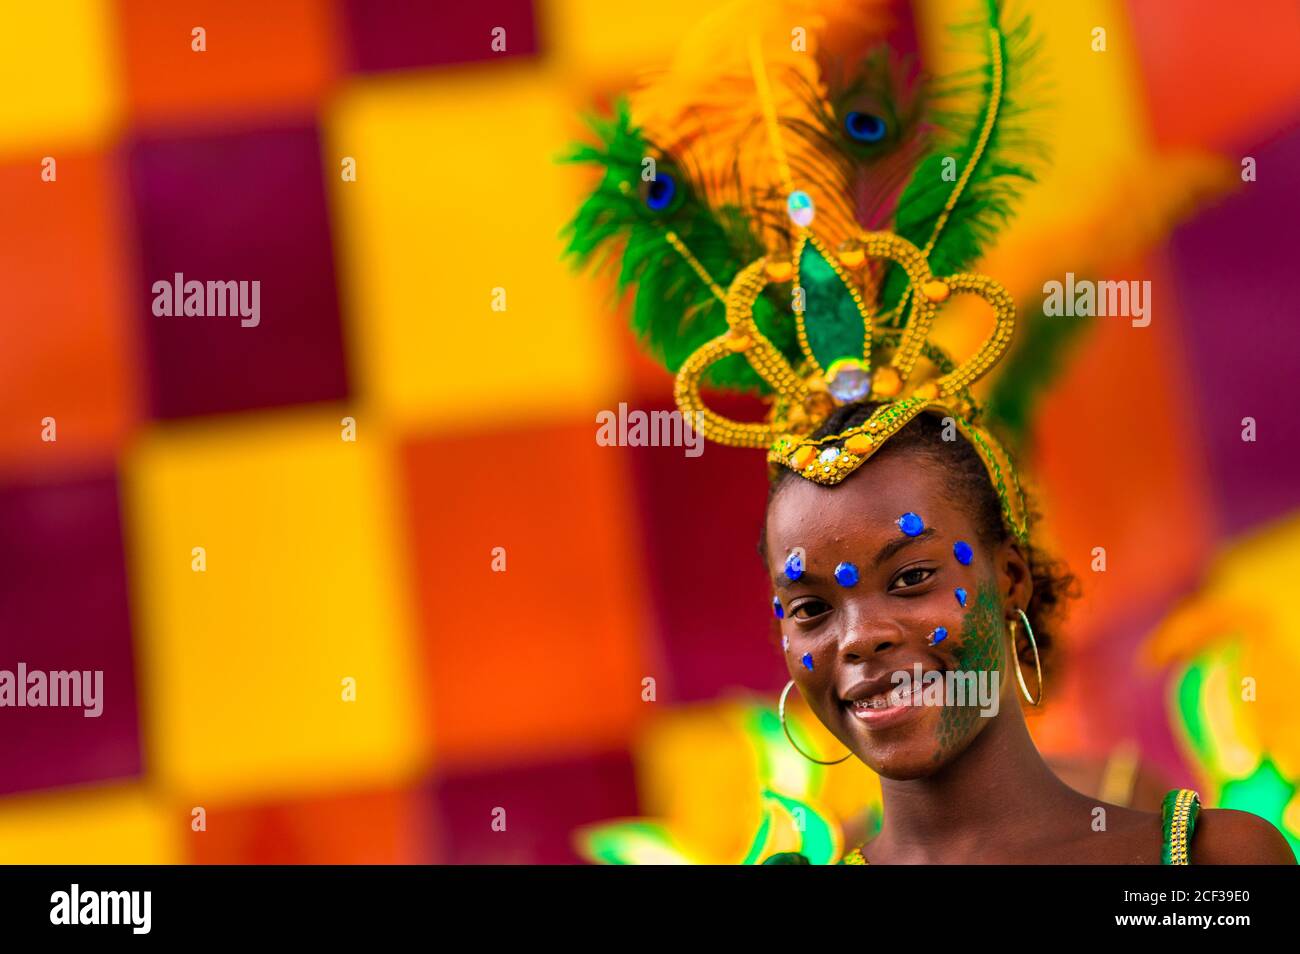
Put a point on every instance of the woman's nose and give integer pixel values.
(867, 634)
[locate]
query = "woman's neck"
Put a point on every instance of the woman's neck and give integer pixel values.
(995, 802)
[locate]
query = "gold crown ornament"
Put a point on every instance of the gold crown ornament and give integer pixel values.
(761, 186)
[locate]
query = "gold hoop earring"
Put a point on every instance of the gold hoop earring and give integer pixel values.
(786, 729)
(1015, 658)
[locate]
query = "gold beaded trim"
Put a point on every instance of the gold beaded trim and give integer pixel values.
(854, 857)
(743, 337)
(802, 400)
(1178, 842)
(859, 443)
(1010, 496)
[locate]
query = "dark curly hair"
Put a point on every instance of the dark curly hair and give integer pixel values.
(967, 479)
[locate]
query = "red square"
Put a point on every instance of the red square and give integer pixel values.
(258, 57)
(547, 654)
(364, 828)
(67, 347)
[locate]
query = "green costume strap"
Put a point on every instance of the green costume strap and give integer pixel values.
(1178, 821)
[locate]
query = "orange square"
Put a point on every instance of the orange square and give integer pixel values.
(1218, 74)
(1120, 465)
(257, 55)
(67, 343)
(545, 656)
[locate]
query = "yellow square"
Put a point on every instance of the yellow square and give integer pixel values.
(596, 43)
(458, 194)
(1088, 102)
(112, 825)
(59, 73)
(245, 655)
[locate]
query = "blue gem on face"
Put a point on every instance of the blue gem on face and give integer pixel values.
(938, 636)
(807, 661)
(962, 551)
(846, 574)
(793, 567)
(911, 524)
(780, 612)
(960, 594)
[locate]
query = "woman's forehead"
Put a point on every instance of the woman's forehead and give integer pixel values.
(868, 504)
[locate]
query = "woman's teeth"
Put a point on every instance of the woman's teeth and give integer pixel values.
(900, 696)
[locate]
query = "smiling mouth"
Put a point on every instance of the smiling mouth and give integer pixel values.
(898, 696)
(888, 704)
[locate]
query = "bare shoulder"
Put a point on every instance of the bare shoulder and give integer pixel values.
(1225, 836)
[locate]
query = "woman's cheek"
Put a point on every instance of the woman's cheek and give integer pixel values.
(810, 659)
(982, 632)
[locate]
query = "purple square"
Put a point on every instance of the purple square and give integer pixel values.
(401, 34)
(543, 805)
(63, 599)
(1235, 265)
(711, 596)
(237, 207)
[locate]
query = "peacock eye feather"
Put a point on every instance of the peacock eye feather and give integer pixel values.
(865, 127)
(660, 194)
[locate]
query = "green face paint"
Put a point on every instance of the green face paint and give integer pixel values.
(983, 635)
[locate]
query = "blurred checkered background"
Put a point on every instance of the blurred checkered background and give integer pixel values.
(372, 560)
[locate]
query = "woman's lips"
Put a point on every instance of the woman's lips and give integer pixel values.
(889, 709)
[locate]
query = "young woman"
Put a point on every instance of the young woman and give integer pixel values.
(793, 216)
(961, 783)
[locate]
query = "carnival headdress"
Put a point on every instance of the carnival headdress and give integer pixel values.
(792, 227)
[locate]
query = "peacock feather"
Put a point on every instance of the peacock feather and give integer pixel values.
(964, 190)
(696, 168)
(651, 225)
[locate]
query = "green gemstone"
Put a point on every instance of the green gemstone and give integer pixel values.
(833, 323)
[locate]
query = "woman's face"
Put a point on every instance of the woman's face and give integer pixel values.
(844, 644)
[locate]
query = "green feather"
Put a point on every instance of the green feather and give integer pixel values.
(1003, 168)
(674, 310)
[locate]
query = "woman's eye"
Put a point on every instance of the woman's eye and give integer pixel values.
(809, 609)
(913, 577)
